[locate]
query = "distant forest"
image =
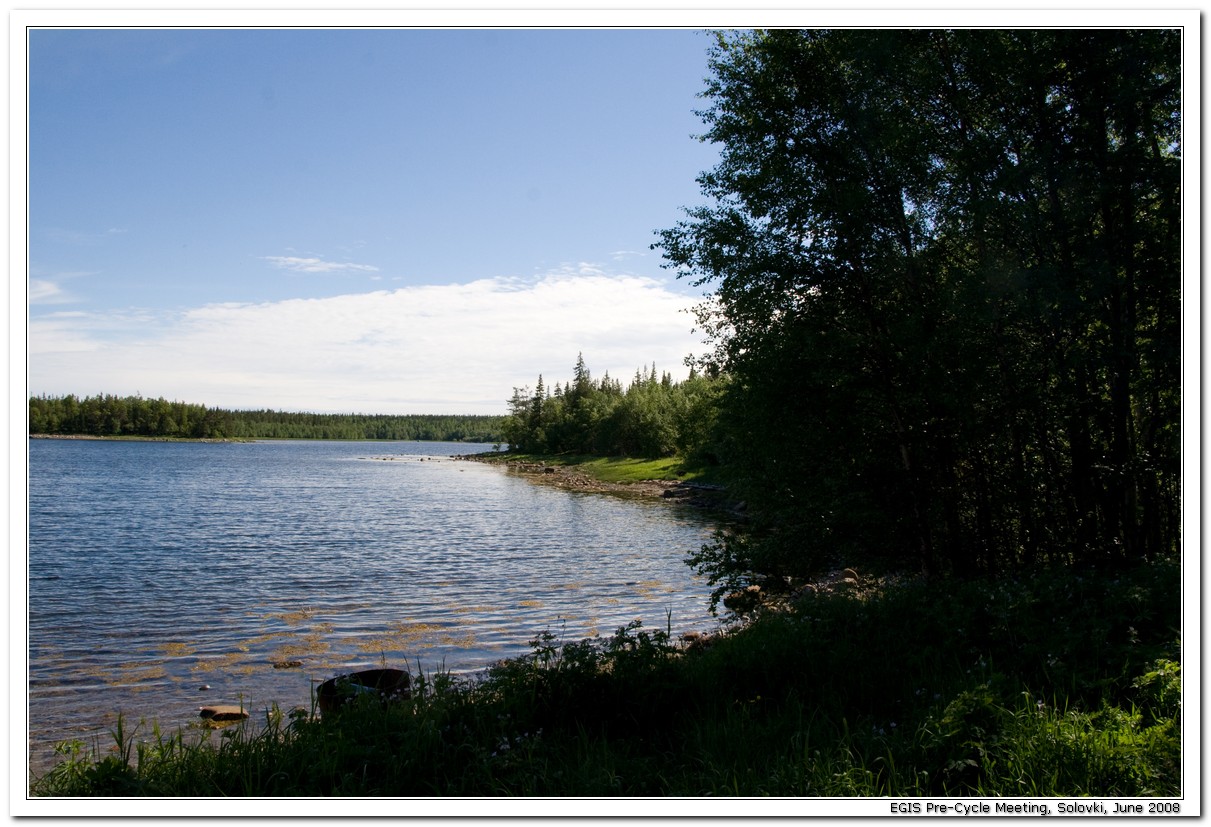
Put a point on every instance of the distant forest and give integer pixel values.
(135, 416)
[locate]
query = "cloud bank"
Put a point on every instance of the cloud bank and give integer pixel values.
(315, 265)
(458, 348)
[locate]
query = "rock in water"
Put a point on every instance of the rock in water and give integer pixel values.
(222, 712)
(387, 684)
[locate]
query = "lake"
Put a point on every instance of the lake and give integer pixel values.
(157, 569)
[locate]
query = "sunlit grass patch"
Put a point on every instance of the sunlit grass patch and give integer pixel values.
(620, 469)
(629, 469)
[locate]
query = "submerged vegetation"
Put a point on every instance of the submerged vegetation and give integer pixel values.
(1051, 684)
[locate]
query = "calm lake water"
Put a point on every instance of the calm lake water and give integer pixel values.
(158, 568)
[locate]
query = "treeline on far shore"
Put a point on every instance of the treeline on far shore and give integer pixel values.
(113, 416)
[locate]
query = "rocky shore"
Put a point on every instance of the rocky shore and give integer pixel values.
(573, 478)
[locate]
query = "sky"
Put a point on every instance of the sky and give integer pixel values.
(368, 220)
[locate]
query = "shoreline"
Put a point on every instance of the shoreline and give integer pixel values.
(703, 496)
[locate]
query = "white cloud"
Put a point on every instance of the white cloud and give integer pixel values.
(425, 349)
(64, 235)
(42, 291)
(315, 265)
(47, 287)
(579, 268)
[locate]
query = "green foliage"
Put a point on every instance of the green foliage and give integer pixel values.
(108, 415)
(1161, 689)
(946, 317)
(112, 416)
(653, 417)
(634, 469)
(978, 744)
(1046, 687)
(946, 273)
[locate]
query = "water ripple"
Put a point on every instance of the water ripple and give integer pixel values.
(157, 568)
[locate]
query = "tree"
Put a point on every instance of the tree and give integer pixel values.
(537, 429)
(135, 416)
(652, 417)
(946, 289)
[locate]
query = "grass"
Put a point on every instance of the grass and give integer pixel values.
(622, 470)
(1058, 684)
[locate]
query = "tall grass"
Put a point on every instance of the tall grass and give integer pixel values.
(1057, 684)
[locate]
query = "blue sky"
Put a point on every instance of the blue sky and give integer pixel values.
(356, 220)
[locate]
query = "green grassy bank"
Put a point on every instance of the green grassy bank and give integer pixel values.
(1056, 684)
(617, 470)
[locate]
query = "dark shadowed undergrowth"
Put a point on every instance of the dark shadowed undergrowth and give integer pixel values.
(1055, 684)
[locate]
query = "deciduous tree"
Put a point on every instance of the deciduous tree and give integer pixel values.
(946, 287)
